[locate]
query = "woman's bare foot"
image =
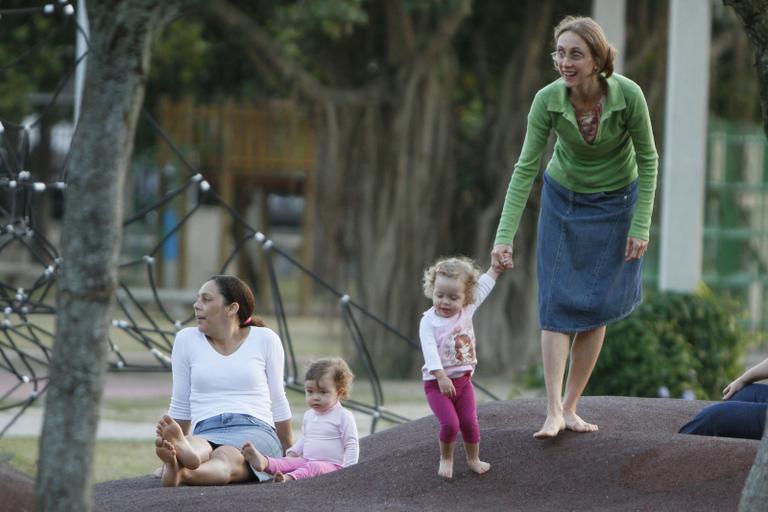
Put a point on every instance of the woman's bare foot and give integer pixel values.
(254, 457)
(478, 466)
(171, 432)
(553, 425)
(446, 468)
(170, 475)
(575, 423)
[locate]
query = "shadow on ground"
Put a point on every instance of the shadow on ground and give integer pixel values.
(636, 461)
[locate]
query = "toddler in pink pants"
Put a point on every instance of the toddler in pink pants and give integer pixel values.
(448, 342)
(329, 434)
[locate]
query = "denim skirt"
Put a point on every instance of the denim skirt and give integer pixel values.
(583, 280)
(234, 429)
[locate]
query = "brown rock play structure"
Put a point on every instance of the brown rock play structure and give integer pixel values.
(637, 461)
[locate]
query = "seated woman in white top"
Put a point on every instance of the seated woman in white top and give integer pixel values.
(227, 390)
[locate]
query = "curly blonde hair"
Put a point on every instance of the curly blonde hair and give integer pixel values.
(339, 371)
(456, 267)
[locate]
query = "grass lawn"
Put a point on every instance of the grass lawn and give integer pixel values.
(114, 459)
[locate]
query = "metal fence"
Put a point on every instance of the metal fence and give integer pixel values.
(735, 251)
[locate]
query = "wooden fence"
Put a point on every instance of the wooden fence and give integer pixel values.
(269, 145)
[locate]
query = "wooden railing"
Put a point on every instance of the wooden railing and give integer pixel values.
(268, 139)
(268, 145)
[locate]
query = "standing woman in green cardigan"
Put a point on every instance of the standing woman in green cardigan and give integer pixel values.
(595, 212)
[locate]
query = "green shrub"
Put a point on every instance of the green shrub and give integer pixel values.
(674, 341)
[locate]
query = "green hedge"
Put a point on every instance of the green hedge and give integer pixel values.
(673, 341)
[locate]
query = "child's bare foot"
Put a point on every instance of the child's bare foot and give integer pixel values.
(478, 466)
(575, 423)
(553, 425)
(170, 475)
(171, 432)
(281, 477)
(254, 457)
(446, 468)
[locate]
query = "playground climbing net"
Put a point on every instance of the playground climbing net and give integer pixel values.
(30, 262)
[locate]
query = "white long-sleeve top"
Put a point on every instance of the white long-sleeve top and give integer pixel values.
(448, 344)
(248, 381)
(330, 436)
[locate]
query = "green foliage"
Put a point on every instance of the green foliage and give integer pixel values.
(36, 52)
(181, 58)
(675, 341)
(334, 19)
(642, 355)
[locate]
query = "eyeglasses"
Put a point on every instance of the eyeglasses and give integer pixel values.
(560, 56)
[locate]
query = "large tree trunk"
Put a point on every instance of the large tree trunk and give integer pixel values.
(385, 164)
(118, 62)
(754, 15)
(508, 323)
(754, 496)
(388, 176)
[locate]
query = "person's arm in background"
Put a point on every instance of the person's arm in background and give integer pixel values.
(754, 374)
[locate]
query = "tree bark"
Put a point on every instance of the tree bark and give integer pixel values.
(118, 63)
(754, 16)
(755, 493)
(387, 171)
(508, 324)
(385, 164)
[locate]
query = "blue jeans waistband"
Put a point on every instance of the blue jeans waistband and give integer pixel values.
(231, 419)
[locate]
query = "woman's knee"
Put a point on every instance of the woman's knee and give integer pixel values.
(752, 393)
(728, 419)
(231, 462)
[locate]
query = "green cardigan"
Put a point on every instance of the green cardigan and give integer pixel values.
(623, 151)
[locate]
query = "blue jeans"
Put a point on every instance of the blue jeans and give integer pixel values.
(584, 282)
(742, 415)
(234, 429)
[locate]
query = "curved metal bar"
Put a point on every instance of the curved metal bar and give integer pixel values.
(292, 374)
(362, 349)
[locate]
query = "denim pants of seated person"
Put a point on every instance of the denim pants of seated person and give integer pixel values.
(742, 415)
(234, 429)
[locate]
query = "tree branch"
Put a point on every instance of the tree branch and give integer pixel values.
(275, 63)
(442, 36)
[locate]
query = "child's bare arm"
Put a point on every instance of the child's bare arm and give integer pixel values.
(492, 273)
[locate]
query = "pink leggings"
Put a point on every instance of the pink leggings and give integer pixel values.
(457, 413)
(299, 467)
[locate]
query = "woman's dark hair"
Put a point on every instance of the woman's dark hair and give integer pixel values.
(234, 290)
